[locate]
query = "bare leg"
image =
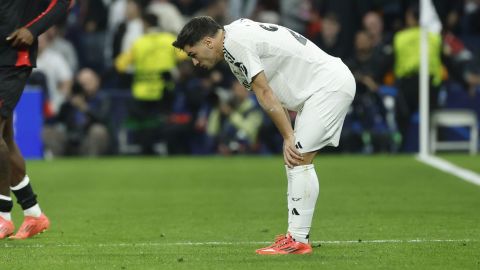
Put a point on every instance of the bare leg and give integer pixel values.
(5, 167)
(35, 222)
(308, 158)
(24, 192)
(6, 204)
(17, 162)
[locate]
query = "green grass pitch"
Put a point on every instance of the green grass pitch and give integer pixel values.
(374, 212)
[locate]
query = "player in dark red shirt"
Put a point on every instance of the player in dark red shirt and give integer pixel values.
(21, 22)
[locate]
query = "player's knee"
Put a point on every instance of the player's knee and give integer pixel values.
(308, 158)
(305, 162)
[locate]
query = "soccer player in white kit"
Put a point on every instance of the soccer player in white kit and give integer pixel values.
(286, 71)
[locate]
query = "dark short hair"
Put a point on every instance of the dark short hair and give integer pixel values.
(195, 30)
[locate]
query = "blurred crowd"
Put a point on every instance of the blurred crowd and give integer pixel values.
(113, 83)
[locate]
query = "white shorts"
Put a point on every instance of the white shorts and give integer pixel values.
(320, 121)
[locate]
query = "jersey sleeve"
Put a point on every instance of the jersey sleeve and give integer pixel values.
(52, 14)
(244, 57)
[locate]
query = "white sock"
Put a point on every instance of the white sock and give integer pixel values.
(5, 215)
(302, 196)
(289, 192)
(33, 211)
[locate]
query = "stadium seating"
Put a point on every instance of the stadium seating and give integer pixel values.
(454, 118)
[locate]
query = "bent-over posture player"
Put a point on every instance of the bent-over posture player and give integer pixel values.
(286, 71)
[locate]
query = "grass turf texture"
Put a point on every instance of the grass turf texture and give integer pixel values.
(139, 213)
(466, 161)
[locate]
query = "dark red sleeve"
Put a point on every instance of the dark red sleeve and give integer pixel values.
(55, 11)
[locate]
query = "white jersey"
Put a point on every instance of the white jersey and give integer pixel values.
(295, 67)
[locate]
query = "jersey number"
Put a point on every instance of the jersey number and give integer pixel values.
(296, 35)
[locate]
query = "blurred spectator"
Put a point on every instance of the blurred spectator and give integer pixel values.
(189, 7)
(189, 96)
(295, 14)
(116, 13)
(268, 16)
(233, 125)
(125, 33)
(393, 12)
(471, 18)
(93, 18)
(365, 64)
(349, 14)
(94, 15)
(407, 63)
(168, 14)
(134, 26)
(241, 9)
(268, 5)
(63, 46)
(129, 30)
(368, 104)
(329, 38)
(153, 59)
(116, 16)
(57, 72)
(80, 128)
(461, 63)
(381, 41)
(314, 25)
(217, 9)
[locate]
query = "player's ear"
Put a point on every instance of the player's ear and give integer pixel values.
(208, 41)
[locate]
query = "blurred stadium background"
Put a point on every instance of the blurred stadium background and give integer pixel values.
(91, 104)
(156, 191)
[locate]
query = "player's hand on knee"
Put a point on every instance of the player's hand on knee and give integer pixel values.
(291, 155)
(21, 38)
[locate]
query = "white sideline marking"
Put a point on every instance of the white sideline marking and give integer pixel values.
(450, 168)
(215, 243)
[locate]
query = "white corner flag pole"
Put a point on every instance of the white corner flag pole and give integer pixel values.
(424, 97)
(429, 22)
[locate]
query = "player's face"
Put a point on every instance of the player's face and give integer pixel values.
(203, 53)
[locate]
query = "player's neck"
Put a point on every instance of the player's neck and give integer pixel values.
(221, 42)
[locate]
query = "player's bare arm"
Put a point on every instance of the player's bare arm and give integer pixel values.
(276, 112)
